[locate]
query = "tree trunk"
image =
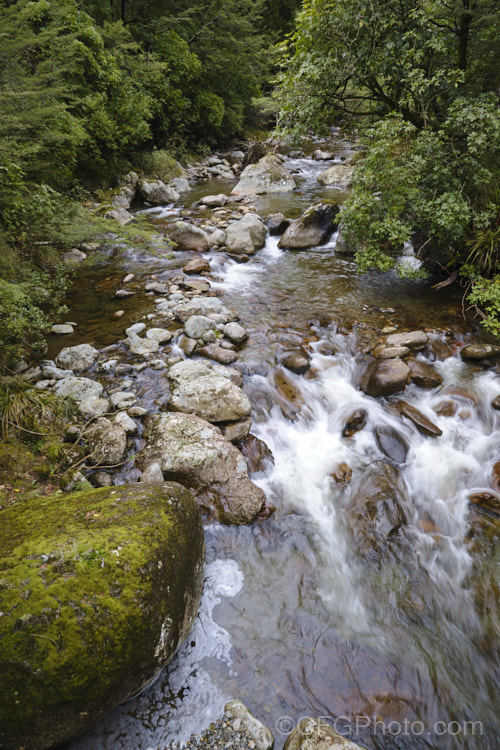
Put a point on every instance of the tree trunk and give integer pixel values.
(463, 34)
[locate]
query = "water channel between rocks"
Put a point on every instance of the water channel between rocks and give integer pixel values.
(295, 620)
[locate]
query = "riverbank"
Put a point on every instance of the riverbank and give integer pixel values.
(373, 547)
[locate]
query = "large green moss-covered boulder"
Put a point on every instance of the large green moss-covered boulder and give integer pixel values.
(97, 591)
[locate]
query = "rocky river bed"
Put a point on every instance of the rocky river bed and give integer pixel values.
(340, 433)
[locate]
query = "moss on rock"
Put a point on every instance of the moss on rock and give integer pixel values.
(97, 591)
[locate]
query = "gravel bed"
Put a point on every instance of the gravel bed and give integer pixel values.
(224, 734)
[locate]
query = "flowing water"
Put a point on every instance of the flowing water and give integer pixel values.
(396, 644)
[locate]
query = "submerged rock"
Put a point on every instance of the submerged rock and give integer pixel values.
(296, 362)
(446, 408)
(195, 453)
(355, 422)
(267, 176)
(98, 592)
(313, 228)
(420, 421)
(391, 443)
(341, 473)
(376, 508)
(257, 454)
(487, 502)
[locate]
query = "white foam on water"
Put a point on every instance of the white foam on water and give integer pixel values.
(438, 473)
(242, 277)
(159, 212)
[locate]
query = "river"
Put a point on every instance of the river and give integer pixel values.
(397, 645)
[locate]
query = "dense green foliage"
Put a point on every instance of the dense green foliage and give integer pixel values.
(421, 80)
(89, 88)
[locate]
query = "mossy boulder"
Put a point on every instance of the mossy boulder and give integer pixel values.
(314, 227)
(97, 591)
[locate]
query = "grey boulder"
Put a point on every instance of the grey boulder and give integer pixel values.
(267, 176)
(121, 215)
(246, 236)
(411, 339)
(338, 175)
(186, 236)
(199, 457)
(197, 389)
(78, 389)
(107, 442)
(197, 325)
(93, 406)
(77, 358)
(156, 192)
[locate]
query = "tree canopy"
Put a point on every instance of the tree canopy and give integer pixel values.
(87, 88)
(420, 81)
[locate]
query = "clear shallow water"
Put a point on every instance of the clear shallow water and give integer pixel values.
(294, 619)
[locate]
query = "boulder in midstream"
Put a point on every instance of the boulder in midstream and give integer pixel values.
(267, 176)
(385, 376)
(420, 421)
(313, 228)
